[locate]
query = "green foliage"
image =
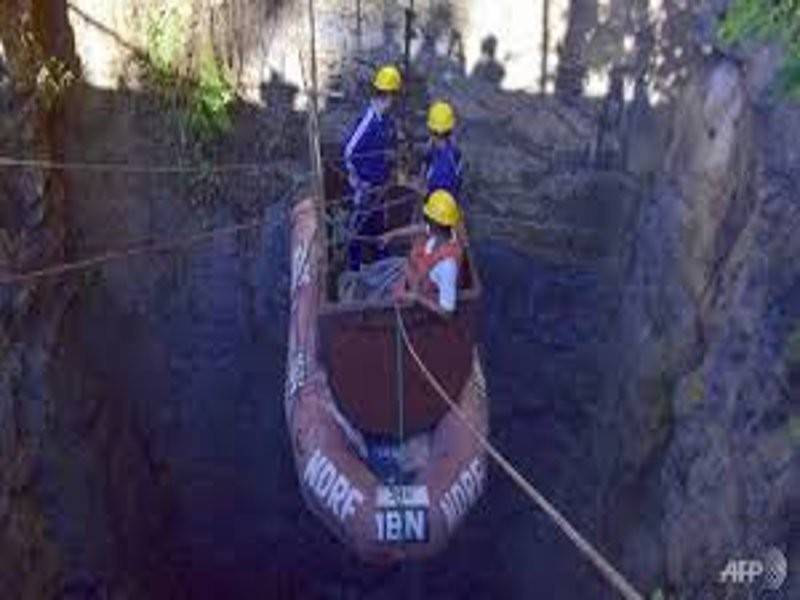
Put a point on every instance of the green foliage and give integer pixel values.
(794, 429)
(793, 348)
(789, 77)
(203, 96)
(211, 99)
(166, 36)
(53, 81)
(768, 20)
(30, 53)
(696, 386)
(49, 77)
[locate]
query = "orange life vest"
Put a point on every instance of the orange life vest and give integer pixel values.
(420, 265)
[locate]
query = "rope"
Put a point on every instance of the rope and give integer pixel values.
(114, 255)
(617, 580)
(514, 222)
(125, 253)
(400, 391)
(344, 198)
(188, 241)
(10, 162)
(400, 387)
(313, 114)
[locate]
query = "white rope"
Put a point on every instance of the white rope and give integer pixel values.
(117, 255)
(606, 569)
(133, 250)
(100, 167)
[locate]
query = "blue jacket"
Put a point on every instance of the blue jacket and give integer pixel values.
(369, 150)
(443, 169)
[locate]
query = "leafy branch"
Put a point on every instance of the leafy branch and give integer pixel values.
(772, 21)
(205, 95)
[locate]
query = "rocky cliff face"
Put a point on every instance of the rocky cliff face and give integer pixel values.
(641, 341)
(74, 467)
(31, 234)
(705, 405)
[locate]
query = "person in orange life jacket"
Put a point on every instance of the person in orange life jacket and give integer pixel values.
(442, 161)
(369, 160)
(430, 276)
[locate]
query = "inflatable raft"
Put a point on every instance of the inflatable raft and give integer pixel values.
(380, 459)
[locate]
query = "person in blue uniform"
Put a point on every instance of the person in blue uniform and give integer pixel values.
(442, 168)
(369, 155)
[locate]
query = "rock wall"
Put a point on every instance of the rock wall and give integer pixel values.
(704, 400)
(31, 235)
(665, 348)
(75, 467)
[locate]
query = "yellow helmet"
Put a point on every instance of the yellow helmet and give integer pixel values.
(388, 79)
(441, 118)
(442, 208)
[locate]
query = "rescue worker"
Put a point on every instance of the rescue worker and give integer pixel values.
(442, 162)
(431, 272)
(369, 159)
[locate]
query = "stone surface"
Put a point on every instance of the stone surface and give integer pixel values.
(31, 221)
(709, 303)
(642, 377)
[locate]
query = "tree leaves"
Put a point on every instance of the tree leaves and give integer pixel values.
(768, 20)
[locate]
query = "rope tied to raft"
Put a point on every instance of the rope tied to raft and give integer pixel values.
(614, 577)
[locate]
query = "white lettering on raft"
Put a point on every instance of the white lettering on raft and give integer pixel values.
(402, 514)
(301, 266)
(333, 489)
(297, 371)
(463, 493)
(410, 525)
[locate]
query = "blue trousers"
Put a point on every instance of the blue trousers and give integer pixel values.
(368, 220)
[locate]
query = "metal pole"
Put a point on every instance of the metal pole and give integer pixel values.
(399, 347)
(405, 153)
(358, 27)
(545, 45)
(313, 120)
(409, 13)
